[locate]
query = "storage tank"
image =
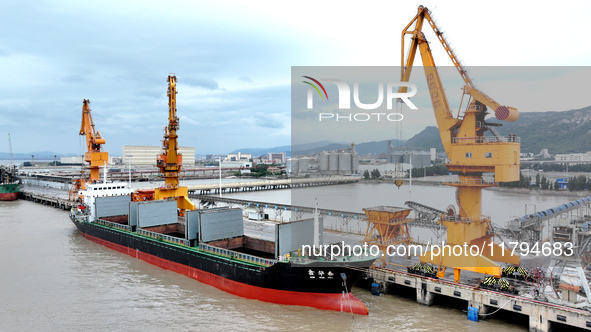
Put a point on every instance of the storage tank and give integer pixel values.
(397, 158)
(304, 164)
(345, 162)
(292, 166)
(333, 162)
(324, 162)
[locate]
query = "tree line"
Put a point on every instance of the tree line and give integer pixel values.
(575, 183)
(375, 174)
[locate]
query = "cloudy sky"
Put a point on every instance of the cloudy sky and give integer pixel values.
(233, 61)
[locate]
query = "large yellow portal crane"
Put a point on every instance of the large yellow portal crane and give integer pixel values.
(170, 161)
(94, 155)
(470, 152)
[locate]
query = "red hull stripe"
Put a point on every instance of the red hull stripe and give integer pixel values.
(8, 196)
(336, 302)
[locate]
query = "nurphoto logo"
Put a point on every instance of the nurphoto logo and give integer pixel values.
(344, 99)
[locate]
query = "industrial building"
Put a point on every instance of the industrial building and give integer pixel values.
(236, 164)
(79, 160)
(574, 157)
(146, 155)
(418, 159)
(276, 157)
(338, 162)
(238, 156)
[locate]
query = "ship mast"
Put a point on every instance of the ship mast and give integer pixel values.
(10, 150)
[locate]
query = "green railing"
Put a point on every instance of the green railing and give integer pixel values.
(113, 225)
(164, 237)
(237, 255)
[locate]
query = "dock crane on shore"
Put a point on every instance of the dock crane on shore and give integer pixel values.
(94, 156)
(470, 152)
(170, 161)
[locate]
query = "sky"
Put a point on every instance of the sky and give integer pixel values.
(233, 62)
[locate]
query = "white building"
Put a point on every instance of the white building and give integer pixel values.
(80, 160)
(276, 157)
(574, 157)
(238, 156)
(146, 155)
(72, 160)
(433, 153)
(236, 164)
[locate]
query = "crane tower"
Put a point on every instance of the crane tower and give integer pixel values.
(170, 161)
(470, 152)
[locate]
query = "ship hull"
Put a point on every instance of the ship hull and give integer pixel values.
(9, 192)
(280, 283)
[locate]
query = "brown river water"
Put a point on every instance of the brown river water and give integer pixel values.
(53, 279)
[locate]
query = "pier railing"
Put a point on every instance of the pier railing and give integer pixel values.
(237, 255)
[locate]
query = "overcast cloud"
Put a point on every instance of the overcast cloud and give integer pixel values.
(233, 61)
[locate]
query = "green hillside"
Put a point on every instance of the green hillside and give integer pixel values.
(559, 132)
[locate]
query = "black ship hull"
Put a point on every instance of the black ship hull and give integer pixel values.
(281, 282)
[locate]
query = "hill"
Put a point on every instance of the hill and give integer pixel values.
(361, 148)
(426, 139)
(559, 132)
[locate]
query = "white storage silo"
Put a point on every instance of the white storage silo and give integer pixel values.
(345, 162)
(324, 162)
(333, 162)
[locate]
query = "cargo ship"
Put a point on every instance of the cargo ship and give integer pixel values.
(209, 245)
(10, 183)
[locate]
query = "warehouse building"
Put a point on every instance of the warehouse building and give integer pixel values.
(146, 155)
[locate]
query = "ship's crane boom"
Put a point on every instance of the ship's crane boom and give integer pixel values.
(470, 152)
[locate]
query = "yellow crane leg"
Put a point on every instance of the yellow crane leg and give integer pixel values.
(457, 273)
(500, 254)
(479, 264)
(180, 194)
(184, 203)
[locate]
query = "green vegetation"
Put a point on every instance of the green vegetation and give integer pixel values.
(575, 183)
(259, 170)
(559, 132)
(375, 174)
(524, 182)
(578, 183)
(430, 171)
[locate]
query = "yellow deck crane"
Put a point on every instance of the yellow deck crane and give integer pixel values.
(94, 155)
(170, 161)
(470, 152)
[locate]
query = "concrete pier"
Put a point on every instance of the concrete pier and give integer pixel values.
(228, 187)
(543, 317)
(48, 200)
